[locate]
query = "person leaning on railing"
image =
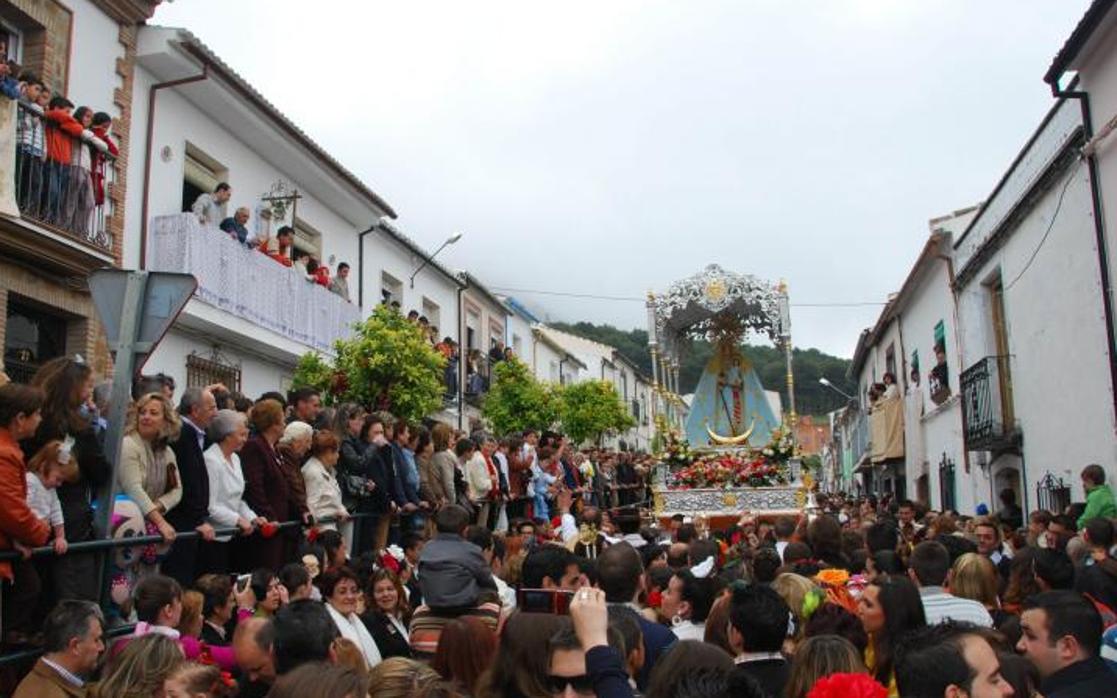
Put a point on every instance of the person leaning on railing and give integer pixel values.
(148, 469)
(227, 507)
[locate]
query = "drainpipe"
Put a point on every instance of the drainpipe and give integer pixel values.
(361, 264)
(462, 285)
(1083, 98)
(147, 150)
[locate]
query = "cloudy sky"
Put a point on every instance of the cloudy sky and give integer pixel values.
(611, 147)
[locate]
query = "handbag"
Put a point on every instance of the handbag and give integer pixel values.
(356, 486)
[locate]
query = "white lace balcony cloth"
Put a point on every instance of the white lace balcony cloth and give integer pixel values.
(249, 284)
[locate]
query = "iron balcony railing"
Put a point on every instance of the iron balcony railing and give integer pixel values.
(987, 406)
(63, 176)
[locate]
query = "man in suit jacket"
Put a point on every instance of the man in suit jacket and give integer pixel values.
(72, 644)
(620, 574)
(196, 410)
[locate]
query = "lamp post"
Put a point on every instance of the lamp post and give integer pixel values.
(449, 241)
(835, 388)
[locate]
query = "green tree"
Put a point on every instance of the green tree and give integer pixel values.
(517, 401)
(591, 409)
(313, 371)
(386, 365)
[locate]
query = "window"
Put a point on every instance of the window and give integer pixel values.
(915, 370)
(518, 347)
(12, 38)
(472, 330)
(939, 378)
(890, 360)
(33, 337)
(201, 372)
(391, 289)
(431, 311)
(201, 175)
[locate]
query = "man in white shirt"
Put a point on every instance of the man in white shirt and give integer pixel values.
(210, 208)
(929, 568)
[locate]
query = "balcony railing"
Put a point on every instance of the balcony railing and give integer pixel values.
(987, 405)
(62, 180)
(249, 284)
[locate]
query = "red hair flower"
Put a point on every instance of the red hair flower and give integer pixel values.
(655, 599)
(847, 686)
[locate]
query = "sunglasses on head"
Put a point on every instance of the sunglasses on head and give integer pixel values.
(581, 684)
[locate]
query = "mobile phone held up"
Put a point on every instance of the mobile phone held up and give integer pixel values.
(553, 601)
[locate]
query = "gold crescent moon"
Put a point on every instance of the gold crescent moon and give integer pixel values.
(731, 440)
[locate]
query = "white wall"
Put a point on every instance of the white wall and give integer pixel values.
(258, 374)
(384, 254)
(93, 53)
(518, 327)
(1056, 333)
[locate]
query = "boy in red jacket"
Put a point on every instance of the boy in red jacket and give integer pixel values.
(62, 130)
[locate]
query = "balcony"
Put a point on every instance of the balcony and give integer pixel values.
(987, 408)
(61, 183)
(250, 285)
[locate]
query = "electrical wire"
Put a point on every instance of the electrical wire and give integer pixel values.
(1050, 227)
(635, 299)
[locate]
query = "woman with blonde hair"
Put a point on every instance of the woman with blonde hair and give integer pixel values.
(794, 590)
(400, 677)
(148, 472)
(191, 620)
(141, 668)
(817, 657)
(974, 577)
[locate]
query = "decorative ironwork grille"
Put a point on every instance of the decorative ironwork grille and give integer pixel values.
(1053, 494)
(201, 372)
(946, 483)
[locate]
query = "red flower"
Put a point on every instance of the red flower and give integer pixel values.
(847, 686)
(269, 529)
(655, 599)
(312, 535)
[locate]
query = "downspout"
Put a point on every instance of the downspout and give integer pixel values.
(462, 284)
(361, 264)
(147, 150)
(1099, 235)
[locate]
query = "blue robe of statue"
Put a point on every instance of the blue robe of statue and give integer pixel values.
(730, 400)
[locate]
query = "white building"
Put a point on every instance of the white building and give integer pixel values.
(1018, 294)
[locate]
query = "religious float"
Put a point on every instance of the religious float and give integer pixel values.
(732, 448)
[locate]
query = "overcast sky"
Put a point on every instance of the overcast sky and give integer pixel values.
(611, 147)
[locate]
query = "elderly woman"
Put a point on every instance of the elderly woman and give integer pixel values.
(148, 473)
(323, 494)
(265, 488)
(227, 508)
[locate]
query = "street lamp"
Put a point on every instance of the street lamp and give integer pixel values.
(449, 241)
(835, 388)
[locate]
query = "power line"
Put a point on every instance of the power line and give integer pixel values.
(1050, 227)
(636, 299)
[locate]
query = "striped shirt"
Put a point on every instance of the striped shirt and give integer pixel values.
(427, 625)
(939, 606)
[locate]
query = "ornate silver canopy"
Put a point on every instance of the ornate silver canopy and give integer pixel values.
(690, 305)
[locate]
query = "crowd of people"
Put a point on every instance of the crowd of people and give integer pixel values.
(329, 551)
(61, 152)
(209, 208)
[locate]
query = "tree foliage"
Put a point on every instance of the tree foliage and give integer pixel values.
(517, 401)
(809, 364)
(591, 409)
(386, 365)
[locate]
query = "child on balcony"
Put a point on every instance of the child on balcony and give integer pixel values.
(79, 203)
(61, 130)
(30, 158)
(102, 125)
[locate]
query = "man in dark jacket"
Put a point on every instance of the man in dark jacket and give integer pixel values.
(1062, 638)
(620, 574)
(452, 571)
(758, 619)
(196, 409)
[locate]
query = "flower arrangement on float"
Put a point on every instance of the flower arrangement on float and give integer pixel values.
(723, 469)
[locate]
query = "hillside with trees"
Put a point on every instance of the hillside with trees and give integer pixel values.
(810, 365)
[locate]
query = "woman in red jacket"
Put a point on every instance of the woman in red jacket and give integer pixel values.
(20, 415)
(265, 487)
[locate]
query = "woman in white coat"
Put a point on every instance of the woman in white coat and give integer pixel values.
(323, 493)
(227, 508)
